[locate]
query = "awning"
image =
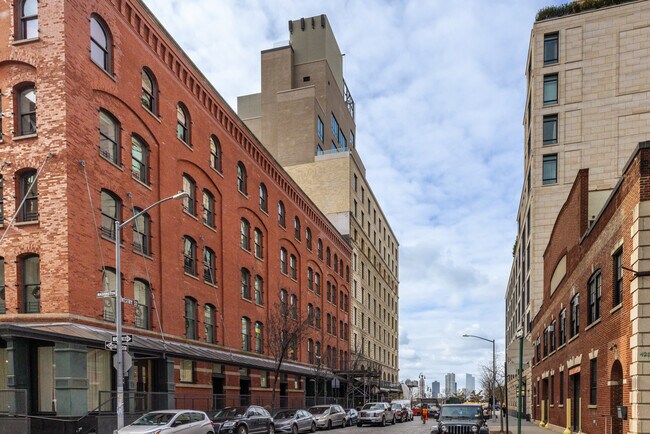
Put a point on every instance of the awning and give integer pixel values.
(96, 336)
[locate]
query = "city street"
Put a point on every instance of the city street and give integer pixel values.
(413, 427)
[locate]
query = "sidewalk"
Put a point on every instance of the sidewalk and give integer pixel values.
(526, 427)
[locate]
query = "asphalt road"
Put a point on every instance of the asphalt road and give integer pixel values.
(414, 427)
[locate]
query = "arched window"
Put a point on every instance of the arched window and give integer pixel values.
(142, 233)
(293, 304)
(209, 321)
(318, 353)
(283, 260)
(241, 178)
(189, 255)
(296, 228)
(329, 323)
(100, 43)
(333, 294)
(259, 290)
(259, 340)
(310, 278)
(245, 284)
(336, 263)
(259, 243)
(182, 123)
(245, 234)
(264, 204)
(209, 275)
(281, 214)
(109, 137)
(27, 110)
(310, 314)
(320, 249)
(109, 284)
(245, 334)
(317, 283)
(140, 160)
(317, 317)
(31, 283)
(284, 301)
(141, 294)
(111, 212)
(334, 331)
(215, 153)
(328, 257)
(149, 96)
(28, 189)
(293, 267)
(189, 202)
(341, 267)
(308, 238)
(190, 318)
(208, 209)
(28, 19)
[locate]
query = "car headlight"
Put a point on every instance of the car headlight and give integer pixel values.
(443, 428)
(228, 424)
(474, 428)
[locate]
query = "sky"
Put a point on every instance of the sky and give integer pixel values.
(439, 90)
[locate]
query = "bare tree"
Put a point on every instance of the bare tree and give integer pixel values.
(486, 381)
(284, 331)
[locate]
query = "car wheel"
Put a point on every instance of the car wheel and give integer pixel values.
(313, 427)
(383, 421)
(294, 429)
(242, 429)
(329, 424)
(271, 429)
(394, 420)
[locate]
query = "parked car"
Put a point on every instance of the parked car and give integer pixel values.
(171, 421)
(417, 409)
(434, 411)
(294, 421)
(243, 420)
(328, 416)
(376, 413)
(351, 416)
(460, 418)
(401, 411)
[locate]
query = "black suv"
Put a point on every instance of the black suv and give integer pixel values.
(460, 419)
(251, 420)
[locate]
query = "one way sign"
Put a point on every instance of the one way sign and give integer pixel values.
(126, 339)
(110, 345)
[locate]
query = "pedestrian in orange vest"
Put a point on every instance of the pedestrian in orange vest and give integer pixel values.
(425, 413)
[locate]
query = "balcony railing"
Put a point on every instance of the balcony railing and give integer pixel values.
(331, 151)
(349, 101)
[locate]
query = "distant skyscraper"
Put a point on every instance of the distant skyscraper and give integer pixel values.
(435, 389)
(450, 384)
(470, 383)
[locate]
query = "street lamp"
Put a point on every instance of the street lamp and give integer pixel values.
(494, 370)
(118, 304)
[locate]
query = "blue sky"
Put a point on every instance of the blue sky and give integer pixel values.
(439, 88)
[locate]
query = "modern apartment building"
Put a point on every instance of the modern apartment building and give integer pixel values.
(305, 116)
(435, 389)
(588, 93)
(470, 383)
(450, 384)
(101, 115)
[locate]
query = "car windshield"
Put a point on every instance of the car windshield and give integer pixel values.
(230, 413)
(319, 410)
(283, 414)
(461, 411)
(396, 406)
(373, 407)
(154, 419)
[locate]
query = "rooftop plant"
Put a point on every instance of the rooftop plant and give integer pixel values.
(574, 7)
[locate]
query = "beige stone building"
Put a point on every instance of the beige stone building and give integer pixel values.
(587, 106)
(304, 115)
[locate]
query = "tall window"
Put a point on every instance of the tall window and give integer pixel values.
(109, 137)
(561, 384)
(259, 290)
(551, 48)
(310, 314)
(320, 129)
(241, 178)
(182, 123)
(293, 306)
(593, 381)
(317, 283)
(245, 334)
(550, 89)
(108, 285)
(549, 131)
(245, 284)
(208, 209)
(142, 233)
(308, 238)
(215, 153)
(149, 96)
(618, 277)
(335, 128)
(310, 351)
(209, 265)
(244, 234)
(283, 260)
(28, 19)
(31, 282)
(141, 294)
(259, 340)
(281, 214)
(296, 228)
(594, 298)
(139, 160)
(551, 335)
(284, 302)
(100, 43)
(320, 249)
(259, 243)
(27, 110)
(264, 199)
(28, 192)
(310, 278)
(189, 202)
(111, 212)
(189, 255)
(317, 317)
(549, 169)
(293, 267)
(209, 322)
(328, 257)
(575, 315)
(3, 301)
(562, 333)
(190, 318)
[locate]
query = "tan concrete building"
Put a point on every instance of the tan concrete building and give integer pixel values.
(304, 115)
(587, 106)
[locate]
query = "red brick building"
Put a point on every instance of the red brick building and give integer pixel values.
(103, 115)
(590, 333)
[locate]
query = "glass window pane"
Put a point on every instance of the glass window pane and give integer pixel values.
(550, 89)
(550, 169)
(46, 390)
(97, 33)
(550, 129)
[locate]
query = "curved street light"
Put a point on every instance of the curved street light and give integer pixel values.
(494, 369)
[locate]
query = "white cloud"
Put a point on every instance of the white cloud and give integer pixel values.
(439, 88)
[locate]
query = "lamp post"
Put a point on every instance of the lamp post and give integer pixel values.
(494, 369)
(118, 304)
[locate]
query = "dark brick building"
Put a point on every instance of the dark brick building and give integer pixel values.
(591, 333)
(103, 115)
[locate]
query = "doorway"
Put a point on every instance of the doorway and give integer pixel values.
(142, 380)
(575, 395)
(616, 396)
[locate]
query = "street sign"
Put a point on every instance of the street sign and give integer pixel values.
(106, 294)
(110, 345)
(127, 361)
(125, 339)
(129, 301)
